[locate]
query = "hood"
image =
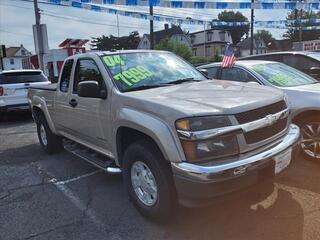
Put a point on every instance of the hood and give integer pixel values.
(305, 88)
(303, 98)
(208, 97)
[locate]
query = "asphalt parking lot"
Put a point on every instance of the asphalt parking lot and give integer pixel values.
(63, 197)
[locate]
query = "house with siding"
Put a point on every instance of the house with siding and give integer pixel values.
(259, 47)
(16, 58)
(174, 32)
(210, 42)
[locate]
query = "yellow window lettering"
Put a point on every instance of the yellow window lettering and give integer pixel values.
(137, 73)
(144, 71)
(109, 61)
(119, 76)
(128, 74)
(118, 60)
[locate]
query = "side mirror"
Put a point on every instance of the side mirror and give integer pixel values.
(91, 89)
(204, 72)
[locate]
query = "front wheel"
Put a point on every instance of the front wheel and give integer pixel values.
(49, 142)
(148, 180)
(310, 138)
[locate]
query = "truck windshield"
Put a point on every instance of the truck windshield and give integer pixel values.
(143, 70)
(281, 75)
(22, 77)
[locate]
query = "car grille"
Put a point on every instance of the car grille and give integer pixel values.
(259, 113)
(261, 134)
(266, 132)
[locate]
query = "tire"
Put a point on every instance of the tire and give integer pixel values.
(310, 137)
(147, 156)
(49, 142)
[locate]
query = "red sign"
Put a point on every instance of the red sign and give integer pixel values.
(311, 45)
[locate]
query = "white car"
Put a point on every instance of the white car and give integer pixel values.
(14, 86)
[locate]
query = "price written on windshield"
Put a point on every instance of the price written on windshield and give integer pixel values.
(133, 75)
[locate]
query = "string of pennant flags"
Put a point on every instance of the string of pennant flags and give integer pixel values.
(210, 4)
(281, 24)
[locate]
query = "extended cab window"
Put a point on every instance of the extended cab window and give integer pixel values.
(66, 75)
(236, 74)
(86, 70)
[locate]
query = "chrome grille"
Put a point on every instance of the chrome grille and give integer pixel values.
(266, 132)
(259, 113)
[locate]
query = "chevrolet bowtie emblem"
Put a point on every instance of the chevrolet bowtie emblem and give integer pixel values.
(271, 119)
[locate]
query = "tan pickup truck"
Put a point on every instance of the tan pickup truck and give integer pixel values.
(175, 135)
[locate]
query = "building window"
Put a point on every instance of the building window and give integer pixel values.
(207, 51)
(192, 38)
(222, 36)
(23, 52)
(209, 36)
(11, 61)
(194, 51)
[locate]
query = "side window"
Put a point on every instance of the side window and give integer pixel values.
(299, 62)
(273, 57)
(236, 74)
(66, 75)
(86, 70)
(212, 72)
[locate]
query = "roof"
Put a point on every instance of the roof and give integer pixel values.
(282, 45)
(244, 63)
(100, 53)
(74, 42)
(11, 51)
(246, 43)
(306, 53)
(159, 35)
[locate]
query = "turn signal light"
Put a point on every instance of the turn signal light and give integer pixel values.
(1, 91)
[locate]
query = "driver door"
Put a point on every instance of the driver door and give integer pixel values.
(89, 116)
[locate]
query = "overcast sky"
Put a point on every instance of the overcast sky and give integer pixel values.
(17, 17)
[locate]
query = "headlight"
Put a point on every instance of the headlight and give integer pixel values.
(203, 123)
(217, 147)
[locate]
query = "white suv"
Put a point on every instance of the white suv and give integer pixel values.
(14, 86)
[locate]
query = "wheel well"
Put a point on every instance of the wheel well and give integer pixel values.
(126, 136)
(305, 114)
(36, 113)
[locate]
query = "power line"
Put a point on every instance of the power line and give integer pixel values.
(16, 33)
(83, 20)
(88, 21)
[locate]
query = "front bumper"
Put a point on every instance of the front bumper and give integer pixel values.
(195, 181)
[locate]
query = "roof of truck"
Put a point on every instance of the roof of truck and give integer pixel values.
(124, 51)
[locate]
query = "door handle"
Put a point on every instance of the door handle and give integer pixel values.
(73, 102)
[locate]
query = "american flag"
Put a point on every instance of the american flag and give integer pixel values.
(228, 58)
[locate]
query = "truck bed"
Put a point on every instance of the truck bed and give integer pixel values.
(50, 87)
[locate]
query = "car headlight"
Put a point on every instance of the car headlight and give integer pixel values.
(211, 148)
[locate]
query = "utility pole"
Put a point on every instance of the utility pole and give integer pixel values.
(251, 28)
(204, 42)
(300, 28)
(39, 37)
(151, 26)
(118, 26)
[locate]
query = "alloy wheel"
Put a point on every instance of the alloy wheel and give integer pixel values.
(310, 139)
(144, 183)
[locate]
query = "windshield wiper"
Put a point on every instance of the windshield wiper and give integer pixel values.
(143, 87)
(182, 80)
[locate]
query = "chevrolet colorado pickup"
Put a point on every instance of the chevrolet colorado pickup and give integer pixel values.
(175, 135)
